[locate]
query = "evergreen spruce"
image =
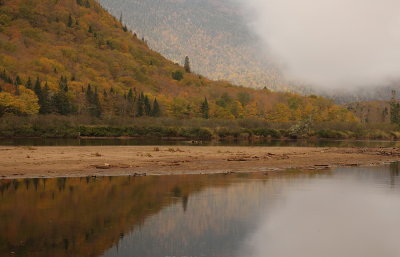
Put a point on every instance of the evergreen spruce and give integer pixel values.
(129, 97)
(147, 106)
(3, 75)
(61, 103)
(204, 109)
(38, 91)
(93, 100)
(177, 75)
(140, 105)
(70, 21)
(63, 84)
(18, 80)
(37, 88)
(44, 100)
(97, 111)
(187, 64)
(156, 112)
(88, 93)
(29, 83)
(60, 100)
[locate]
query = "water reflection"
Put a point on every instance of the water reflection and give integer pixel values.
(160, 141)
(352, 214)
(345, 212)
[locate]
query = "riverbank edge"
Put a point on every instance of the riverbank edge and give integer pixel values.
(212, 139)
(51, 162)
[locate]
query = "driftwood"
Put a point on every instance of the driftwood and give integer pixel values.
(237, 160)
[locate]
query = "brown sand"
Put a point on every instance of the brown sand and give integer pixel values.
(28, 162)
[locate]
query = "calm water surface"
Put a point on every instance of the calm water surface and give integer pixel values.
(346, 212)
(155, 141)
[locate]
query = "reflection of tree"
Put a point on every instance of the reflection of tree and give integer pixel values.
(82, 217)
(185, 201)
(394, 172)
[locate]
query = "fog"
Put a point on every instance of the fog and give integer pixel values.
(330, 43)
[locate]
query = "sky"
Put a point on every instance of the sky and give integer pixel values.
(330, 44)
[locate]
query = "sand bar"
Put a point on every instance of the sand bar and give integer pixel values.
(30, 162)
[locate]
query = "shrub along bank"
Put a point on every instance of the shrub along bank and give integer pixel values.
(75, 126)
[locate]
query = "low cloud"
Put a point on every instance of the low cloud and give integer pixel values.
(330, 43)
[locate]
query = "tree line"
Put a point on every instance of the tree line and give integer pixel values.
(65, 102)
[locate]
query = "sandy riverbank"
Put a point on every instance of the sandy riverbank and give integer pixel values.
(21, 162)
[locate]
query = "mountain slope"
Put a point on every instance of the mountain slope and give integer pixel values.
(73, 57)
(212, 32)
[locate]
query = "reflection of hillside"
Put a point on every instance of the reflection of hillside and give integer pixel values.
(216, 221)
(86, 216)
(80, 216)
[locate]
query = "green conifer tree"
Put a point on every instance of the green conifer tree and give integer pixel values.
(140, 105)
(177, 75)
(187, 64)
(44, 101)
(38, 88)
(29, 83)
(70, 21)
(18, 80)
(204, 109)
(63, 84)
(147, 106)
(156, 111)
(61, 103)
(97, 110)
(129, 97)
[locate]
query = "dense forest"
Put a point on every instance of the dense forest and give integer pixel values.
(72, 57)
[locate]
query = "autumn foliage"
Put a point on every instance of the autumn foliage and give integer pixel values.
(72, 57)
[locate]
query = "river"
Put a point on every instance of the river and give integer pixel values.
(347, 212)
(162, 141)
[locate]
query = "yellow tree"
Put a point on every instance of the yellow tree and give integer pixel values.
(25, 103)
(279, 113)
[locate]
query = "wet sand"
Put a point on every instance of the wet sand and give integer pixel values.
(30, 162)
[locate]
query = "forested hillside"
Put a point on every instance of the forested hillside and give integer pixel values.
(212, 32)
(71, 57)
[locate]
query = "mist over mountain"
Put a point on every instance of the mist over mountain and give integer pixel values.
(213, 33)
(330, 43)
(228, 40)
